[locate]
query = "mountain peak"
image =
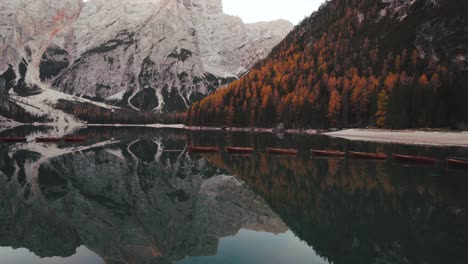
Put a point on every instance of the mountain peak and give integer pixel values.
(145, 55)
(160, 55)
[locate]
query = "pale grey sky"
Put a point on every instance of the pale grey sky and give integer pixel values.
(266, 10)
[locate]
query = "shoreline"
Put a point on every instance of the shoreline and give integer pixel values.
(178, 126)
(406, 137)
(436, 138)
(253, 129)
(84, 125)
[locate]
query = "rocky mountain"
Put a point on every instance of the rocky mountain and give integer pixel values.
(385, 63)
(144, 55)
(157, 55)
(27, 29)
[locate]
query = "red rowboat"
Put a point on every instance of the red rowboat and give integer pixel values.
(235, 150)
(12, 140)
(365, 155)
(48, 139)
(203, 149)
(282, 151)
(74, 139)
(332, 153)
(458, 162)
(415, 159)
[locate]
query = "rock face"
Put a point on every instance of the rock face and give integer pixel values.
(160, 55)
(4, 104)
(27, 28)
(53, 61)
(145, 55)
(7, 81)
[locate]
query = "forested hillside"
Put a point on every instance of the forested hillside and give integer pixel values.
(356, 63)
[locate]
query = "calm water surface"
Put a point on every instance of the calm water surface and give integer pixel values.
(136, 196)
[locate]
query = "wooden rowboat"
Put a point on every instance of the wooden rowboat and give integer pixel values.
(203, 149)
(332, 153)
(13, 140)
(236, 150)
(48, 139)
(415, 159)
(365, 155)
(458, 162)
(74, 139)
(282, 151)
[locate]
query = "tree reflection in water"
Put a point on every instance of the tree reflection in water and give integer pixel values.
(355, 211)
(126, 199)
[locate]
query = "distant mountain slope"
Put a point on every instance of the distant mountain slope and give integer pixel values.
(387, 63)
(27, 28)
(160, 55)
(147, 57)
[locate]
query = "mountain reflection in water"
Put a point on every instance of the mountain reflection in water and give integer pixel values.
(124, 198)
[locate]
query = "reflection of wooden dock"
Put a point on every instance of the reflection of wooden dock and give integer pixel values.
(48, 139)
(415, 159)
(329, 153)
(74, 139)
(236, 150)
(13, 140)
(282, 151)
(458, 162)
(365, 155)
(203, 150)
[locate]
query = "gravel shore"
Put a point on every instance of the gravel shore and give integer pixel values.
(413, 137)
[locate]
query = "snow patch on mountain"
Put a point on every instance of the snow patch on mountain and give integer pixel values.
(27, 28)
(43, 104)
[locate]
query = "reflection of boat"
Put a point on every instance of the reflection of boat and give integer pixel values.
(235, 150)
(203, 149)
(13, 140)
(458, 162)
(365, 155)
(48, 139)
(415, 159)
(333, 153)
(282, 151)
(74, 139)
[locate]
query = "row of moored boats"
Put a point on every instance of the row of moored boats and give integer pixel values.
(43, 139)
(461, 162)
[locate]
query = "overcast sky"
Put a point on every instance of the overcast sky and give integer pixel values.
(265, 10)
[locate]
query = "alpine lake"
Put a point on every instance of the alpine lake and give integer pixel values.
(135, 195)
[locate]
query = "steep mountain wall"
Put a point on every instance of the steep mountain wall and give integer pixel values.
(160, 55)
